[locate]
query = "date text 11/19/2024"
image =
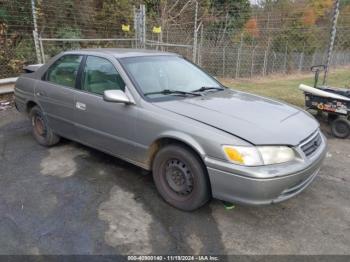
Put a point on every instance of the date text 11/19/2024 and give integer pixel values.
(174, 258)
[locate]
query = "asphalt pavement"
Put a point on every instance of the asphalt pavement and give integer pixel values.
(71, 199)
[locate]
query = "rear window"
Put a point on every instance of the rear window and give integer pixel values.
(64, 71)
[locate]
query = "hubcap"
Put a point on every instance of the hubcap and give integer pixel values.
(179, 177)
(39, 125)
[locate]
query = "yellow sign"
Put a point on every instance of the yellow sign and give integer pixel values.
(126, 28)
(157, 30)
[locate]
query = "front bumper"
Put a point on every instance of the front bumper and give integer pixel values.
(265, 184)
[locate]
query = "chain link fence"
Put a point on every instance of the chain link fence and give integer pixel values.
(227, 38)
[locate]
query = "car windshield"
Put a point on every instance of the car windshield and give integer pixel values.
(164, 76)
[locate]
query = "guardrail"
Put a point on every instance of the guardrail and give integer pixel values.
(7, 85)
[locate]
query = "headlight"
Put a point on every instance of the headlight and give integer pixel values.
(243, 155)
(257, 156)
(276, 154)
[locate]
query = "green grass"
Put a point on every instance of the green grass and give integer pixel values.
(286, 87)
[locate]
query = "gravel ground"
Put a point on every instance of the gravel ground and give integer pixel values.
(71, 199)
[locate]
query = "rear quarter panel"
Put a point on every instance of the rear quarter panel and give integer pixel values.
(24, 91)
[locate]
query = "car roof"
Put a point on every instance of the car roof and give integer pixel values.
(121, 52)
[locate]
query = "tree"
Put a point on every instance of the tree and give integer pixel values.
(110, 15)
(251, 27)
(226, 18)
(15, 40)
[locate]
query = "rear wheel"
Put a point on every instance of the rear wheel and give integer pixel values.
(43, 134)
(341, 127)
(181, 178)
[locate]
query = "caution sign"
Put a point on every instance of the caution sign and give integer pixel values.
(126, 28)
(157, 30)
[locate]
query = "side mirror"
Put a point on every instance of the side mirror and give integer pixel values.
(116, 96)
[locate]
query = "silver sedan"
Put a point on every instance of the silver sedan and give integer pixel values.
(164, 114)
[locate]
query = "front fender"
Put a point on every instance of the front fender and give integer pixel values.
(185, 138)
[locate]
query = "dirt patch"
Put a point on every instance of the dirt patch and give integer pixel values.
(60, 161)
(6, 101)
(128, 222)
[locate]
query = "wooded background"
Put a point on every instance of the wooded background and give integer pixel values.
(234, 38)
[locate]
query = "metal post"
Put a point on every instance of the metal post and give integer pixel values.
(223, 61)
(301, 60)
(143, 20)
(195, 33)
(285, 59)
(238, 62)
(313, 58)
(35, 34)
(265, 63)
(140, 26)
(200, 47)
(42, 50)
(273, 62)
(252, 65)
(332, 38)
(268, 45)
(136, 28)
(266, 57)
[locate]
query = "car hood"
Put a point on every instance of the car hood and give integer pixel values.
(258, 120)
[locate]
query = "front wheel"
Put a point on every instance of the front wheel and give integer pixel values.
(42, 133)
(181, 178)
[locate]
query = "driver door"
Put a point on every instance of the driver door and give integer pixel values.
(107, 126)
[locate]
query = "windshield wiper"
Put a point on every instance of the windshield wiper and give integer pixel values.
(170, 92)
(205, 88)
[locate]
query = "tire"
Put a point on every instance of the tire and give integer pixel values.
(181, 178)
(41, 131)
(341, 127)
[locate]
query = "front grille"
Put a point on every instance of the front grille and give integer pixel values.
(310, 146)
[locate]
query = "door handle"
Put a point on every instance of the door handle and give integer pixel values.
(80, 106)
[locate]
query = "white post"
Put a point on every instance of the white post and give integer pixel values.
(35, 34)
(331, 41)
(136, 28)
(143, 15)
(42, 50)
(195, 33)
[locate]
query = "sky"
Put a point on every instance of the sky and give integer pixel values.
(254, 2)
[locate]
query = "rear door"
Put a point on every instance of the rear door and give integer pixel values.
(55, 94)
(104, 125)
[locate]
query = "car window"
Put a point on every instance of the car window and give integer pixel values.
(64, 71)
(99, 75)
